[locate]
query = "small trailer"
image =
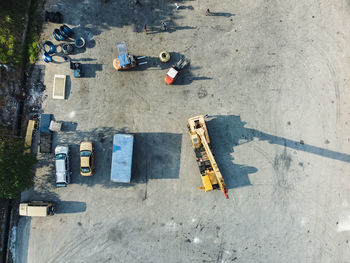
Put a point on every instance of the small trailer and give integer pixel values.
(122, 158)
(59, 87)
(29, 136)
(45, 133)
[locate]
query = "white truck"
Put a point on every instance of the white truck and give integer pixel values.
(36, 208)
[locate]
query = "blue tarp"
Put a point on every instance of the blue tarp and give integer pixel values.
(44, 123)
(123, 60)
(122, 158)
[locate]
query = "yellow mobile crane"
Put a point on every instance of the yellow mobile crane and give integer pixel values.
(211, 175)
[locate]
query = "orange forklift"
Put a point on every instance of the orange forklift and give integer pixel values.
(124, 60)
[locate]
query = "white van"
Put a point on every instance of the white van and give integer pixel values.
(36, 208)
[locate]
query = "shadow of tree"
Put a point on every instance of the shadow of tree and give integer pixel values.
(100, 15)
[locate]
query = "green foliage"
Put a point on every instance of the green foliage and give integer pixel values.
(33, 51)
(12, 50)
(11, 30)
(16, 168)
(31, 42)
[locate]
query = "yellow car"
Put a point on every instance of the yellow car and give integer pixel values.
(86, 159)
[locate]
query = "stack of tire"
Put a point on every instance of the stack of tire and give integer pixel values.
(61, 34)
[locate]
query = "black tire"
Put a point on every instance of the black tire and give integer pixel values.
(79, 42)
(67, 30)
(57, 35)
(67, 49)
(63, 33)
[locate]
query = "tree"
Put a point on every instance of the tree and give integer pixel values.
(16, 168)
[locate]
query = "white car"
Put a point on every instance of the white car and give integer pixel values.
(62, 165)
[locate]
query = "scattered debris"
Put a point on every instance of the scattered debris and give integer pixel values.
(55, 17)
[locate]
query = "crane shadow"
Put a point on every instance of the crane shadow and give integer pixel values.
(228, 131)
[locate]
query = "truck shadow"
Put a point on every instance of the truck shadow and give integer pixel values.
(155, 156)
(69, 207)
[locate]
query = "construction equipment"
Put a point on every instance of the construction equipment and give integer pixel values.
(77, 69)
(125, 61)
(176, 70)
(211, 175)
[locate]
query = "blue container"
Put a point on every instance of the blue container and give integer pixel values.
(123, 145)
(44, 124)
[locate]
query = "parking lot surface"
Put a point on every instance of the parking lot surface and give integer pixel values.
(273, 78)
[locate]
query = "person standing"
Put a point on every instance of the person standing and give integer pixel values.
(164, 26)
(145, 29)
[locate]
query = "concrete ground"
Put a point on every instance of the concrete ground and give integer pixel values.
(273, 76)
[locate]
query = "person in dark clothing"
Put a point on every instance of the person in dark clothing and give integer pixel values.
(137, 2)
(164, 26)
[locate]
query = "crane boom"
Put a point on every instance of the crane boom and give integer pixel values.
(217, 172)
(211, 175)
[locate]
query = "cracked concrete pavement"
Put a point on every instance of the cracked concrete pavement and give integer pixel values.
(273, 76)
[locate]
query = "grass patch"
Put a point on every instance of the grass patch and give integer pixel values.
(31, 42)
(12, 19)
(12, 25)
